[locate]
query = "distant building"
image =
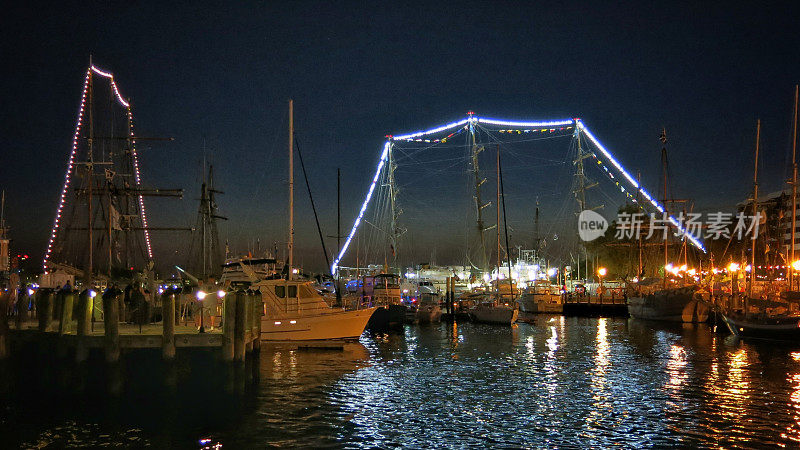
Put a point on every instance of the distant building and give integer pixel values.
(778, 208)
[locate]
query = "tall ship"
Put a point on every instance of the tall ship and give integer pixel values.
(762, 315)
(669, 302)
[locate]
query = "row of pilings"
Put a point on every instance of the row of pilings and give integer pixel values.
(59, 330)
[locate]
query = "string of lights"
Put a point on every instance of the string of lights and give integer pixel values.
(71, 162)
(418, 136)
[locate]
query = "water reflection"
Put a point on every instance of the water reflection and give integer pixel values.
(559, 382)
(676, 367)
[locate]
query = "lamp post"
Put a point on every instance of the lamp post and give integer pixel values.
(601, 272)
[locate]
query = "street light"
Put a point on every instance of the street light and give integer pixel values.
(601, 272)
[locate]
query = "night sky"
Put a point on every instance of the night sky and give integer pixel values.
(218, 76)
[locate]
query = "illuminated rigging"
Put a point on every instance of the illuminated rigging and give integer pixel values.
(434, 136)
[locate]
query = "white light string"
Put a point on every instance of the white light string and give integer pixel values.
(514, 124)
(636, 185)
(71, 162)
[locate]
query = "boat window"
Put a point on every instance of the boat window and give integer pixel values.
(280, 291)
(307, 292)
(292, 290)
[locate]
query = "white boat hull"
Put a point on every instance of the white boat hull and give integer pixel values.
(338, 325)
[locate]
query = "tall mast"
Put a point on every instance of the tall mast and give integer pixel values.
(505, 223)
(794, 189)
(663, 138)
(755, 209)
(90, 175)
(579, 191)
(638, 199)
(339, 231)
(204, 214)
(498, 222)
(393, 232)
(291, 189)
(536, 228)
(476, 149)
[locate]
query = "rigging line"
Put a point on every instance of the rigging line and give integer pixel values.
(311, 198)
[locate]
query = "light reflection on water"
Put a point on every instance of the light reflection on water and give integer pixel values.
(569, 382)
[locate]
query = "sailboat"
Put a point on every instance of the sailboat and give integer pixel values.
(780, 327)
(293, 310)
(495, 308)
(675, 304)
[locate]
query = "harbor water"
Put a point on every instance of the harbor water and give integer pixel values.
(558, 382)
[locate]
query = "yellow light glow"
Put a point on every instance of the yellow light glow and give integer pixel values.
(602, 271)
(733, 267)
(796, 265)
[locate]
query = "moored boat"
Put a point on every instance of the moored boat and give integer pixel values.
(295, 311)
(495, 313)
(428, 309)
(540, 298)
(780, 328)
(672, 304)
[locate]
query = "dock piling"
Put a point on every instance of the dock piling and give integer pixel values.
(111, 324)
(4, 297)
(168, 325)
(44, 308)
(65, 319)
(248, 321)
(258, 309)
(22, 307)
(228, 325)
(85, 302)
(239, 327)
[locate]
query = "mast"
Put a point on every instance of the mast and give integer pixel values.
(536, 228)
(579, 191)
(476, 150)
(755, 209)
(339, 232)
(90, 175)
(664, 202)
(204, 213)
(393, 206)
(638, 199)
(794, 189)
(498, 223)
(290, 247)
(505, 224)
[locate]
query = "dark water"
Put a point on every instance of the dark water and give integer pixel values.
(561, 382)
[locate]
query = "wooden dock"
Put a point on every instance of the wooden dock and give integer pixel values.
(62, 321)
